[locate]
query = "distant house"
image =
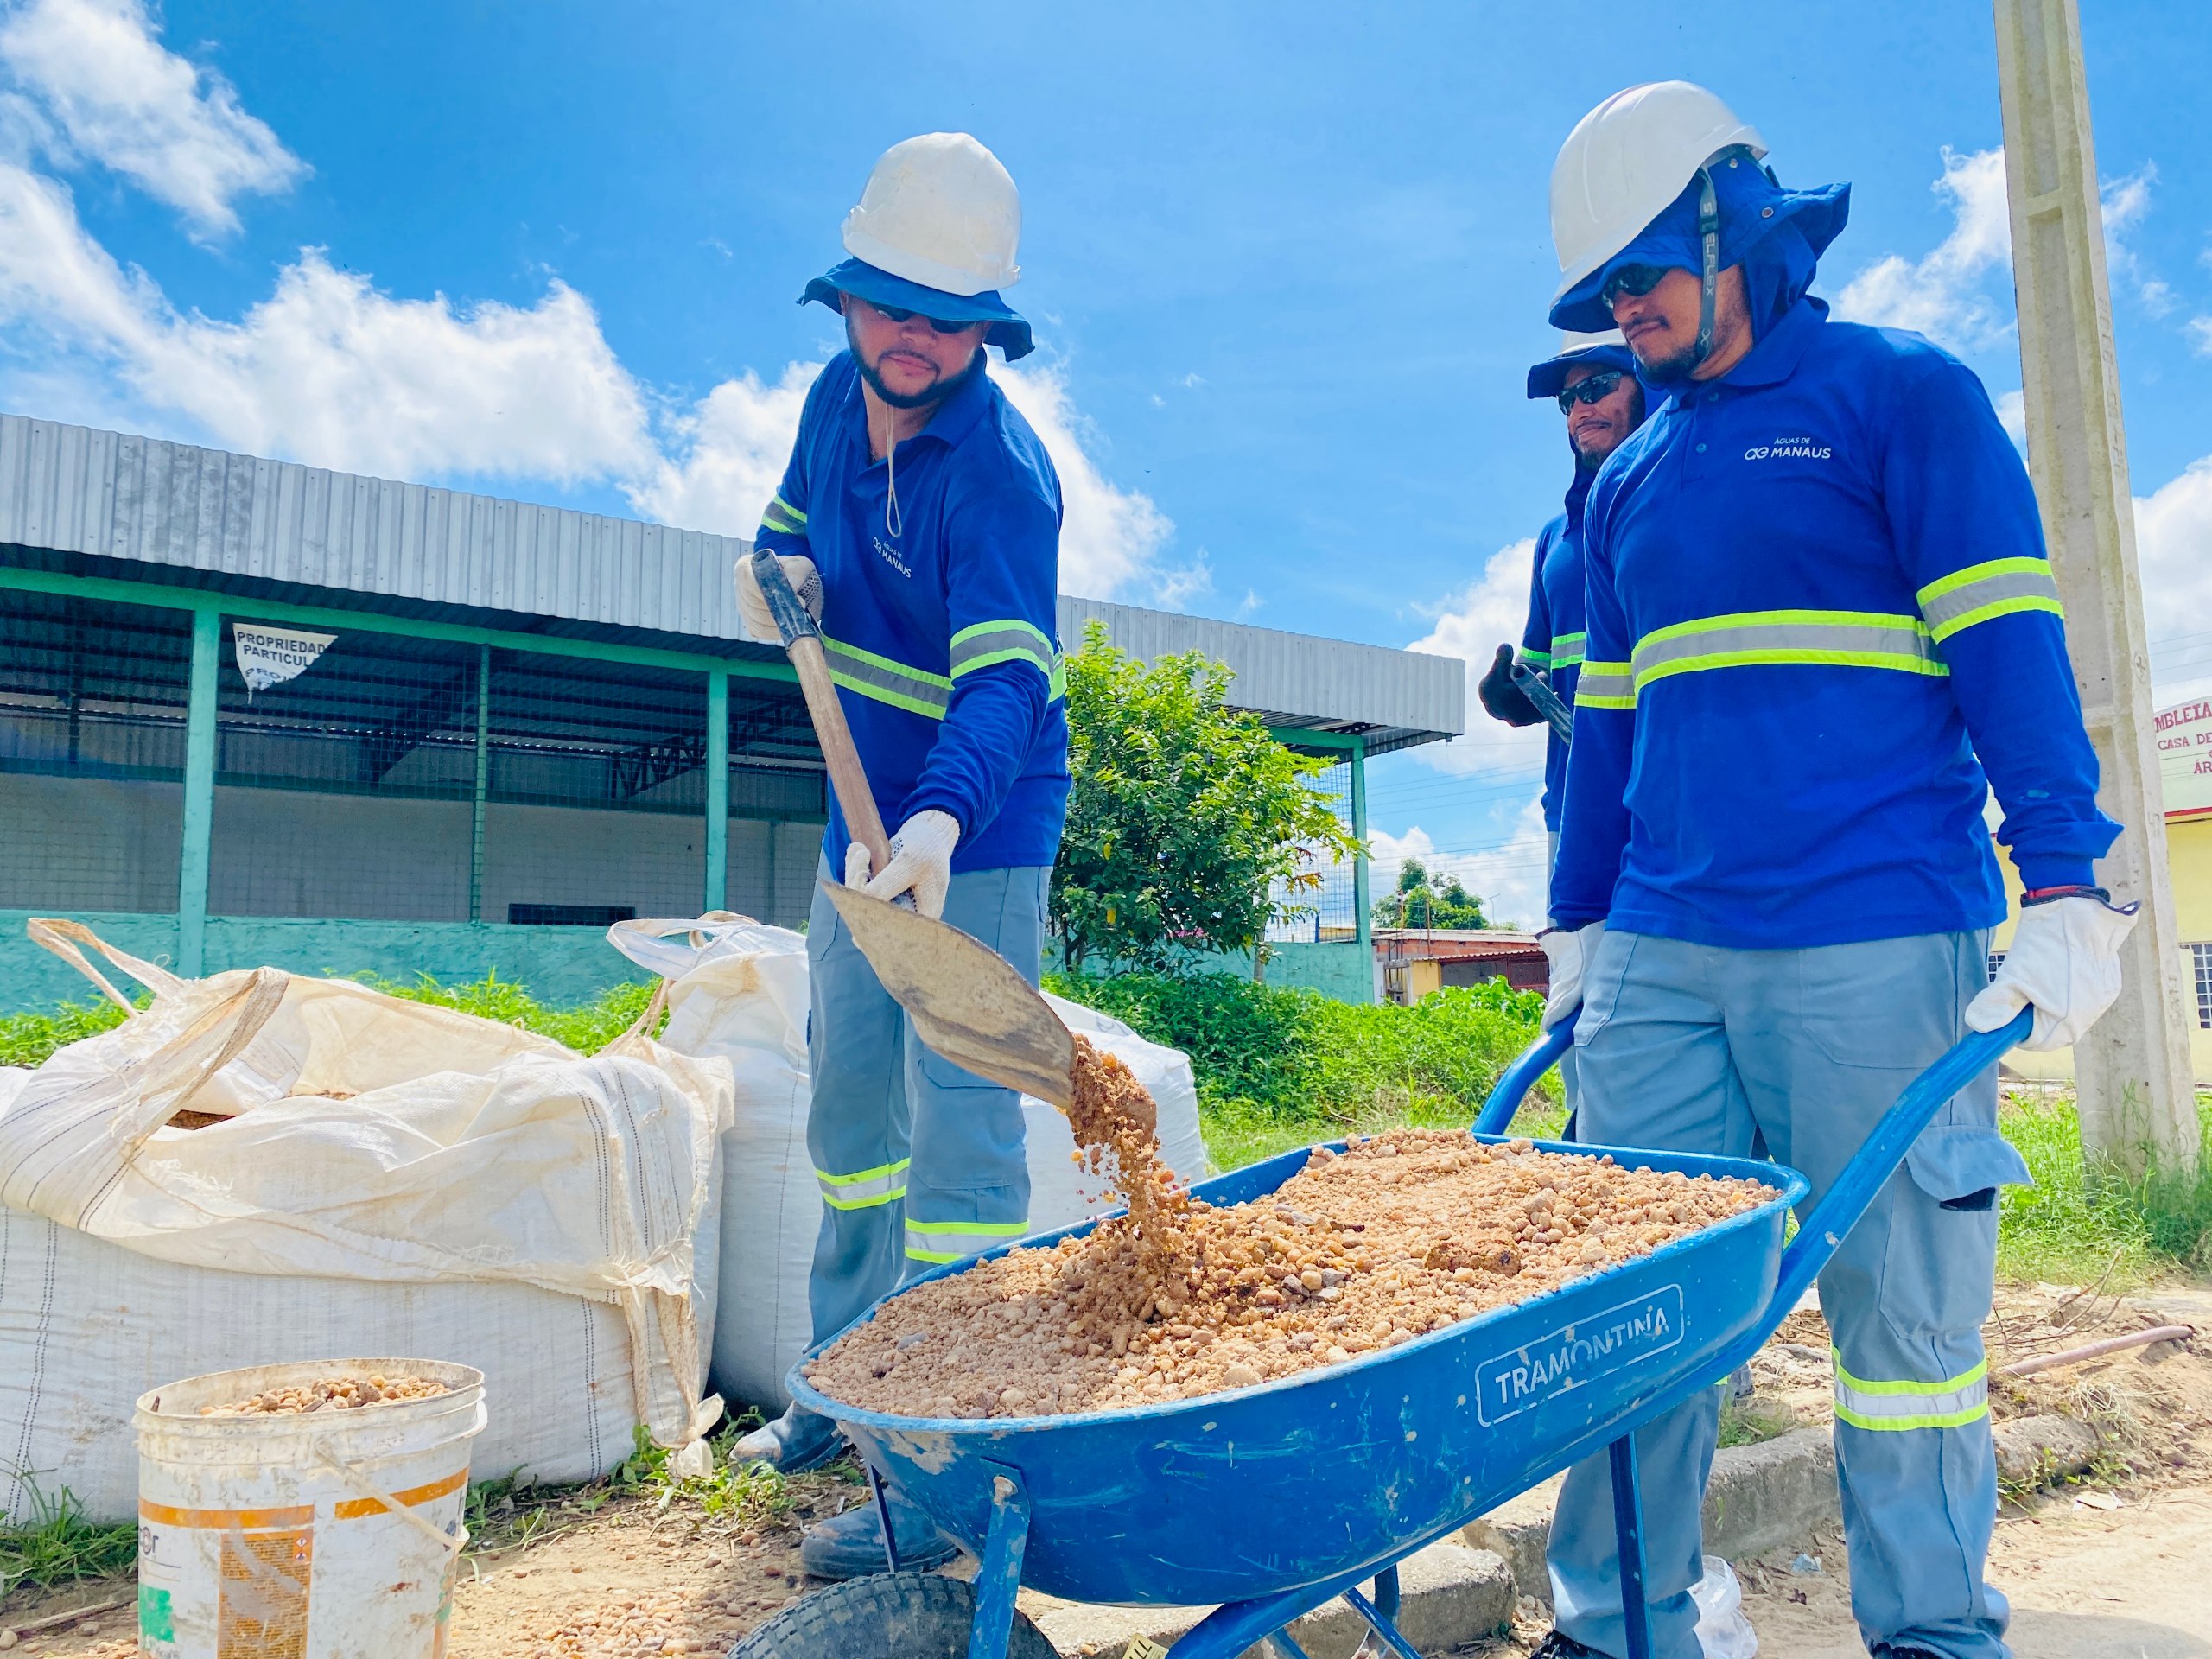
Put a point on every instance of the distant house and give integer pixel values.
(1412, 961)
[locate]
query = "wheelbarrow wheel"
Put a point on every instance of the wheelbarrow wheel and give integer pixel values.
(886, 1616)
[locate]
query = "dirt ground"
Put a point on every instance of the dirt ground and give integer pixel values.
(2112, 1563)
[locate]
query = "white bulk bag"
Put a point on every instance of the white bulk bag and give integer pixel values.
(350, 1135)
(738, 989)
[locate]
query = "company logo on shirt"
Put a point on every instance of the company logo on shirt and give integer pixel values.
(1790, 449)
(889, 554)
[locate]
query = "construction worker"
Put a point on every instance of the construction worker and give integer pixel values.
(1821, 630)
(1592, 377)
(920, 519)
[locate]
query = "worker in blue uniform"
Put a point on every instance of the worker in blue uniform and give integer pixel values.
(1593, 379)
(1821, 631)
(919, 520)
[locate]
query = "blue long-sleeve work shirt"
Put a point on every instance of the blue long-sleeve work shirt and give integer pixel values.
(1820, 629)
(939, 618)
(1552, 640)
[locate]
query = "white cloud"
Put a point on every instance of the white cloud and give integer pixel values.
(114, 95)
(1110, 538)
(327, 370)
(2013, 414)
(1471, 625)
(1945, 295)
(2199, 330)
(727, 455)
(1510, 878)
(2173, 550)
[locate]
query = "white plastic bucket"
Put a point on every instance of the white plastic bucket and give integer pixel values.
(327, 1534)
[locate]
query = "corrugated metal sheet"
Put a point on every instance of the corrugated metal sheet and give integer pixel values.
(111, 495)
(80, 490)
(1306, 680)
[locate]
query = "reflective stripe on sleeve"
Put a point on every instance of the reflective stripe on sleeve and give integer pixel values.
(782, 515)
(1893, 1407)
(1606, 685)
(1535, 658)
(949, 1241)
(1981, 593)
(1830, 639)
(915, 689)
(1566, 650)
(982, 644)
(865, 1189)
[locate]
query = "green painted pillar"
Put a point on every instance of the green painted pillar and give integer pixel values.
(483, 783)
(717, 789)
(1359, 895)
(199, 794)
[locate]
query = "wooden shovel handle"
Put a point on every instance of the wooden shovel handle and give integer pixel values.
(843, 761)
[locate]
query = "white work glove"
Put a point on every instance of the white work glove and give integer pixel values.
(752, 604)
(921, 863)
(2064, 958)
(1568, 950)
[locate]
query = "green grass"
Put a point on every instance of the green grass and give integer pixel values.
(1278, 1069)
(28, 1039)
(57, 1545)
(2078, 1223)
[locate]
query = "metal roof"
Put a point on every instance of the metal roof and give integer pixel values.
(269, 525)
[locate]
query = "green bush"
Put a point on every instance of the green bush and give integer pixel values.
(2081, 1223)
(1278, 1068)
(586, 1028)
(28, 1038)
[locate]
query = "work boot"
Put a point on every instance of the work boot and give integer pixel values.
(791, 1444)
(851, 1545)
(1559, 1645)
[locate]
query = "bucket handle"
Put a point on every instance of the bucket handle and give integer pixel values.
(456, 1542)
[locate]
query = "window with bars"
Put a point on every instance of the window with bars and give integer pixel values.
(2201, 959)
(1329, 913)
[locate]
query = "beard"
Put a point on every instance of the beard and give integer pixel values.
(1671, 370)
(935, 393)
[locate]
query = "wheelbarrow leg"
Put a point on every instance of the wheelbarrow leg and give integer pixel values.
(1627, 1532)
(883, 1519)
(999, 1578)
(1380, 1615)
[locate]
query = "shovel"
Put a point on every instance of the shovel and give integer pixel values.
(969, 1004)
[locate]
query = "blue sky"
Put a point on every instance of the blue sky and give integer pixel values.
(1287, 266)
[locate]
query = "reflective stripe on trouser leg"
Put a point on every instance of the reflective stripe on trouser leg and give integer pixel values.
(968, 1189)
(856, 1123)
(1654, 1070)
(1829, 1037)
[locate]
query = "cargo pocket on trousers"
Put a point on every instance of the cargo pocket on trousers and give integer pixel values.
(1962, 1165)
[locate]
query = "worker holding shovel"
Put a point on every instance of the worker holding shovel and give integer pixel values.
(1821, 633)
(918, 522)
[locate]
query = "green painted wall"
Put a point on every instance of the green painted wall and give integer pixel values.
(558, 964)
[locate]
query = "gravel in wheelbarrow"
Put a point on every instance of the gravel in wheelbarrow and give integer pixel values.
(1360, 1250)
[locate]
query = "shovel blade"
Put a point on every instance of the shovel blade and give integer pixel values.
(968, 1003)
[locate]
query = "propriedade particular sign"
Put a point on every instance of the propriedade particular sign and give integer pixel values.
(2184, 734)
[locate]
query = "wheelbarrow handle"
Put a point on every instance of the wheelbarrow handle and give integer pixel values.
(1497, 1115)
(1821, 1233)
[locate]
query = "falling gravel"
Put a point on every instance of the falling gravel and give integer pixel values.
(1401, 1234)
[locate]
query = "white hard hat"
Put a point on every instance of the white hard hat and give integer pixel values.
(1570, 343)
(1629, 158)
(939, 210)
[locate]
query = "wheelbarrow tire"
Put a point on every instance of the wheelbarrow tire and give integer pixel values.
(885, 1616)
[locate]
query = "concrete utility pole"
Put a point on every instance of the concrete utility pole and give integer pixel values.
(2133, 1069)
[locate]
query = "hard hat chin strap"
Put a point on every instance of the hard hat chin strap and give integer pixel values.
(1708, 231)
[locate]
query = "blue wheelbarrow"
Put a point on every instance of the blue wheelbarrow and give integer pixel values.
(1274, 1500)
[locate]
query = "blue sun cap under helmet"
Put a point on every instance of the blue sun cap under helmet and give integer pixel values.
(1007, 330)
(1777, 235)
(1608, 350)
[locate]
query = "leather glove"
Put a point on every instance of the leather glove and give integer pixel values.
(921, 863)
(1568, 950)
(1501, 698)
(2064, 959)
(752, 604)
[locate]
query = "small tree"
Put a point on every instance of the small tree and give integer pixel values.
(1418, 902)
(1185, 815)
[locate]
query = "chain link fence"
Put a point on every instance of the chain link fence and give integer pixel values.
(396, 778)
(1329, 913)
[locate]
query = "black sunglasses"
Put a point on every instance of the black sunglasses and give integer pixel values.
(898, 314)
(1630, 279)
(1591, 389)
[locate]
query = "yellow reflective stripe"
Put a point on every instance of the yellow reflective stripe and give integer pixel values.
(1009, 640)
(949, 1241)
(1983, 592)
(1604, 685)
(1748, 639)
(864, 1189)
(1535, 658)
(1566, 650)
(780, 515)
(1896, 1407)
(863, 672)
